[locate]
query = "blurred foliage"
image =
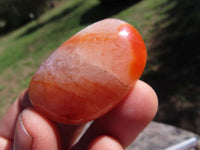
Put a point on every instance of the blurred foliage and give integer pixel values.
(116, 2)
(14, 13)
(175, 56)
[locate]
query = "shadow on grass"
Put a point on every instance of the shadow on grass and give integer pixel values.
(96, 13)
(177, 55)
(65, 12)
(105, 10)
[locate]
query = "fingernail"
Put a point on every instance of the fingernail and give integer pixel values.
(22, 139)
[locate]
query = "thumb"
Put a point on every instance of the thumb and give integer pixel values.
(34, 132)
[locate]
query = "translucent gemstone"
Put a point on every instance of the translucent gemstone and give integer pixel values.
(90, 73)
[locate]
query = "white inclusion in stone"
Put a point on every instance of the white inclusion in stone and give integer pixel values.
(123, 33)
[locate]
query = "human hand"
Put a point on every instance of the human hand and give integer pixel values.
(25, 129)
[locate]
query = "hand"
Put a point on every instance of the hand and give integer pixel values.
(25, 129)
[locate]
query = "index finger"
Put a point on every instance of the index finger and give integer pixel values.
(8, 122)
(67, 133)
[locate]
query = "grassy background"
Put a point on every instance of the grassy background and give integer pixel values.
(171, 70)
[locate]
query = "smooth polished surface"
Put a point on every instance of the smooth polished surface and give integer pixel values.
(90, 73)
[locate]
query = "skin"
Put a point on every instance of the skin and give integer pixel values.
(26, 129)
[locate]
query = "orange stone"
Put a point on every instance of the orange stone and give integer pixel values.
(90, 73)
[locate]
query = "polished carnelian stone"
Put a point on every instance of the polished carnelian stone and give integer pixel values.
(90, 73)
